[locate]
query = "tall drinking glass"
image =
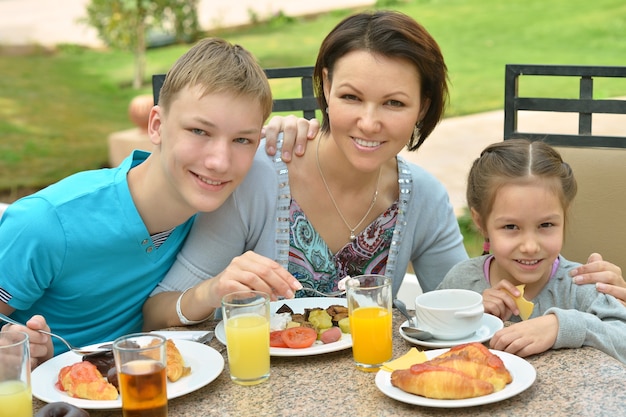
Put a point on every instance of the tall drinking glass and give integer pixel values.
(15, 392)
(247, 326)
(369, 309)
(141, 362)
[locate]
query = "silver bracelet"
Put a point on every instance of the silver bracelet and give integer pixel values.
(184, 320)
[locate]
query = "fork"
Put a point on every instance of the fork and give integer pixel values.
(341, 285)
(79, 351)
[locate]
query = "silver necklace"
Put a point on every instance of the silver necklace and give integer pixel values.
(352, 229)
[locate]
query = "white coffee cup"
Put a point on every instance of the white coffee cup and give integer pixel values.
(449, 314)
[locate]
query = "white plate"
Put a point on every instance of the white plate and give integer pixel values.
(523, 374)
(206, 364)
(298, 305)
(488, 326)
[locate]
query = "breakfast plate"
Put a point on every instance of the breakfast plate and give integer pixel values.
(522, 371)
(206, 364)
(488, 327)
(298, 305)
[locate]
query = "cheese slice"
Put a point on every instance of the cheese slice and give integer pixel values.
(525, 307)
(405, 361)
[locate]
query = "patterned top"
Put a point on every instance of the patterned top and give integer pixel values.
(314, 265)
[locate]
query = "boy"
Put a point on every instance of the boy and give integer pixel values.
(86, 252)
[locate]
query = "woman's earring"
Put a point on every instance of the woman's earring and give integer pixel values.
(326, 110)
(486, 246)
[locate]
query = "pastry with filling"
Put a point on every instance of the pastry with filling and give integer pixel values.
(83, 380)
(465, 371)
(439, 383)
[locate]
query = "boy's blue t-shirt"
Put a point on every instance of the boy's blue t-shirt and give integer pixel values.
(79, 254)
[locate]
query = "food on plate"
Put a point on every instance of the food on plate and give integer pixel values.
(320, 320)
(105, 364)
(83, 380)
(299, 337)
(465, 371)
(439, 382)
(525, 307)
(276, 339)
(176, 368)
(103, 360)
(344, 325)
(330, 335)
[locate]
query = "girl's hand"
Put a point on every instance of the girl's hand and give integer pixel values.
(607, 276)
(498, 301)
(527, 337)
(40, 344)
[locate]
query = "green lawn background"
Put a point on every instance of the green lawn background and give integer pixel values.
(57, 109)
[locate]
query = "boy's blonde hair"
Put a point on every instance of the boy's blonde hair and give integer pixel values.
(218, 66)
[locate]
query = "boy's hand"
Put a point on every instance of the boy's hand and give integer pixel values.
(40, 344)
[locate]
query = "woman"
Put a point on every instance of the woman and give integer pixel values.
(350, 205)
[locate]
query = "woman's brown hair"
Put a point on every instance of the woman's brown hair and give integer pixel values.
(391, 34)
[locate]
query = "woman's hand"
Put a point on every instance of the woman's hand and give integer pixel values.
(607, 276)
(296, 132)
(41, 348)
(527, 337)
(249, 271)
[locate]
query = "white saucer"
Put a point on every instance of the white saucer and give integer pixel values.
(488, 327)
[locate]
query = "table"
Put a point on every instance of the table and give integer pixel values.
(570, 382)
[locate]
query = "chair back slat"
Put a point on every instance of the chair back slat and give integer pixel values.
(597, 221)
(306, 103)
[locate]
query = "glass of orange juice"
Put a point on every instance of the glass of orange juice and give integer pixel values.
(141, 362)
(15, 393)
(369, 309)
(247, 326)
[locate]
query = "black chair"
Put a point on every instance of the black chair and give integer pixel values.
(306, 103)
(598, 217)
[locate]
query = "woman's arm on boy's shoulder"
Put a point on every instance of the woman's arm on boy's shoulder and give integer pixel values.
(607, 277)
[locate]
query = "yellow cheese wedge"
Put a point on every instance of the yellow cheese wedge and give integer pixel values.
(525, 307)
(405, 361)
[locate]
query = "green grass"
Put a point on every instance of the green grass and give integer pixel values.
(57, 109)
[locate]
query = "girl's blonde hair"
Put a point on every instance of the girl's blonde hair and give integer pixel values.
(218, 66)
(517, 161)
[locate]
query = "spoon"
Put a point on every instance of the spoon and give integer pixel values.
(409, 330)
(80, 351)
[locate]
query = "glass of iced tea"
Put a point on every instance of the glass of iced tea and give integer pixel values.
(369, 310)
(247, 325)
(15, 393)
(141, 362)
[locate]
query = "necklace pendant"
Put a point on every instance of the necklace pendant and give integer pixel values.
(352, 236)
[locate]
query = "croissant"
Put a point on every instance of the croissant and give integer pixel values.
(477, 361)
(83, 380)
(474, 369)
(439, 382)
(465, 371)
(176, 368)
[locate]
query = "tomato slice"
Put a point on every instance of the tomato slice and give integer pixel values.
(299, 337)
(276, 339)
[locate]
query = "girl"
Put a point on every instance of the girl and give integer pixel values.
(519, 193)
